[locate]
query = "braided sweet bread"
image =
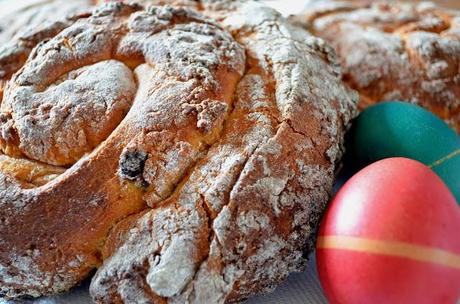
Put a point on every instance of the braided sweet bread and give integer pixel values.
(189, 158)
(395, 51)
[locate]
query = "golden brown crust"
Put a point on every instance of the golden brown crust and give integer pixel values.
(20, 17)
(24, 24)
(29, 173)
(70, 118)
(209, 189)
(395, 51)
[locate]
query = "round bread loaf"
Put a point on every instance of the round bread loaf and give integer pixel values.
(187, 154)
(395, 51)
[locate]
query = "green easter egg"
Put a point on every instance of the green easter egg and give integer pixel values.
(392, 129)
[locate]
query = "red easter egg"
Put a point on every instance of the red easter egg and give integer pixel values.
(391, 235)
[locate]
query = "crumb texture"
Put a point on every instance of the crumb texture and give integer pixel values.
(188, 151)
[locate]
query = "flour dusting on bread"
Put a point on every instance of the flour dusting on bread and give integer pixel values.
(211, 188)
(395, 51)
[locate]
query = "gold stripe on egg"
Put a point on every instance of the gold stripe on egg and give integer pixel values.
(391, 248)
(445, 158)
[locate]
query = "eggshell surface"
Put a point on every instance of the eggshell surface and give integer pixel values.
(398, 129)
(391, 235)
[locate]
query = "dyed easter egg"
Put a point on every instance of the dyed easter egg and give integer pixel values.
(391, 235)
(392, 129)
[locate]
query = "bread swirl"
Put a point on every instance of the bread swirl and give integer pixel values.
(23, 24)
(395, 51)
(210, 188)
(20, 17)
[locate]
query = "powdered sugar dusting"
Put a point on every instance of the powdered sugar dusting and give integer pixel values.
(243, 186)
(394, 51)
(27, 25)
(232, 140)
(66, 120)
